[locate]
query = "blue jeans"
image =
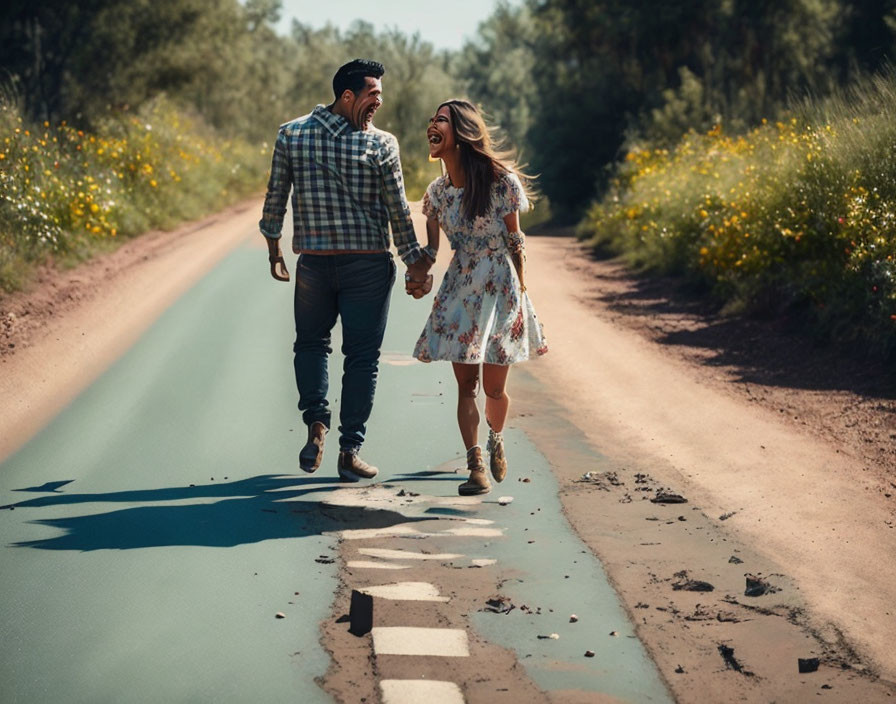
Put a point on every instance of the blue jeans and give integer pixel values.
(357, 288)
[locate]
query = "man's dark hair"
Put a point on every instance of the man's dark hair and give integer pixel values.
(352, 76)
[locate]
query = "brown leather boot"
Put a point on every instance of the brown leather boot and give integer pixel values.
(313, 452)
(496, 459)
(352, 468)
(478, 482)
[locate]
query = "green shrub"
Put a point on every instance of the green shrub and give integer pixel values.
(62, 191)
(797, 215)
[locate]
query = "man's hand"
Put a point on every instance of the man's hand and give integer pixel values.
(417, 282)
(278, 268)
(420, 268)
(275, 257)
(417, 289)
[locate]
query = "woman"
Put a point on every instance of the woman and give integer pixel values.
(481, 314)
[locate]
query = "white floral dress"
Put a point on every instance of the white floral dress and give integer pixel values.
(480, 314)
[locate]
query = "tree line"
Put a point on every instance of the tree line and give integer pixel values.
(571, 82)
(220, 60)
(577, 82)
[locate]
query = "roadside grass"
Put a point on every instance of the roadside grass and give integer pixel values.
(66, 195)
(796, 216)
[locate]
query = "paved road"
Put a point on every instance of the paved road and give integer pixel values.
(156, 527)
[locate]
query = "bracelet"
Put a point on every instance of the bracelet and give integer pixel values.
(516, 240)
(430, 252)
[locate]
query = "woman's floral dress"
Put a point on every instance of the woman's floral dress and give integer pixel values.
(479, 313)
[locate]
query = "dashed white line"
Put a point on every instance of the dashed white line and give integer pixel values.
(416, 691)
(474, 532)
(397, 531)
(386, 554)
(406, 591)
(404, 640)
(374, 565)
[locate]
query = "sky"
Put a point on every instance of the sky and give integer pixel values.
(444, 25)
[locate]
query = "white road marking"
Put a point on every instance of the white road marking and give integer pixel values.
(406, 591)
(397, 531)
(473, 532)
(398, 359)
(403, 640)
(372, 565)
(386, 554)
(483, 561)
(366, 496)
(416, 691)
(380, 495)
(455, 500)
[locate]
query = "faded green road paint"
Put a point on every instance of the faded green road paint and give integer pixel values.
(126, 584)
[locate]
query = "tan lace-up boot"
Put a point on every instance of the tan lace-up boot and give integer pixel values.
(311, 455)
(496, 459)
(352, 468)
(478, 482)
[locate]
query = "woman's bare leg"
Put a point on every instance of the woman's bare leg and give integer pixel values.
(467, 376)
(497, 402)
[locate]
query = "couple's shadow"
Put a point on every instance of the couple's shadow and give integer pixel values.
(221, 514)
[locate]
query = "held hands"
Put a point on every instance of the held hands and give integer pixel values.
(417, 289)
(417, 280)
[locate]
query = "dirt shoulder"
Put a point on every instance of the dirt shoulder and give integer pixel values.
(787, 469)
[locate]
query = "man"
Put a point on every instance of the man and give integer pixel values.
(347, 188)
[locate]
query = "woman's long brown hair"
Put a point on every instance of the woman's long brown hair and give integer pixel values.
(483, 163)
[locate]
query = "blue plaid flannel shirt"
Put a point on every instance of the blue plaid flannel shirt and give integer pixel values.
(347, 187)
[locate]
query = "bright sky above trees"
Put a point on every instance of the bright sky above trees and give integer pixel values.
(445, 26)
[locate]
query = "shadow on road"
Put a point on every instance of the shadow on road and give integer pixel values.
(265, 507)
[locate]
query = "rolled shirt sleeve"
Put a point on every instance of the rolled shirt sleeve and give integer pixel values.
(279, 186)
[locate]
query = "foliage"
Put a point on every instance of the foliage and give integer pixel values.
(497, 68)
(63, 190)
(121, 115)
(796, 215)
(218, 59)
(586, 78)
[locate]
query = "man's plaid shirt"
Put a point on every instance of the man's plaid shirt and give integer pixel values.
(346, 187)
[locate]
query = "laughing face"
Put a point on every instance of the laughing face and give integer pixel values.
(440, 133)
(363, 105)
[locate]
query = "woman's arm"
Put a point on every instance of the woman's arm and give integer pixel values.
(516, 245)
(432, 236)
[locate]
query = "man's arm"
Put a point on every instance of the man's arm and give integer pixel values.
(420, 287)
(271, 223)
(396, 203)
